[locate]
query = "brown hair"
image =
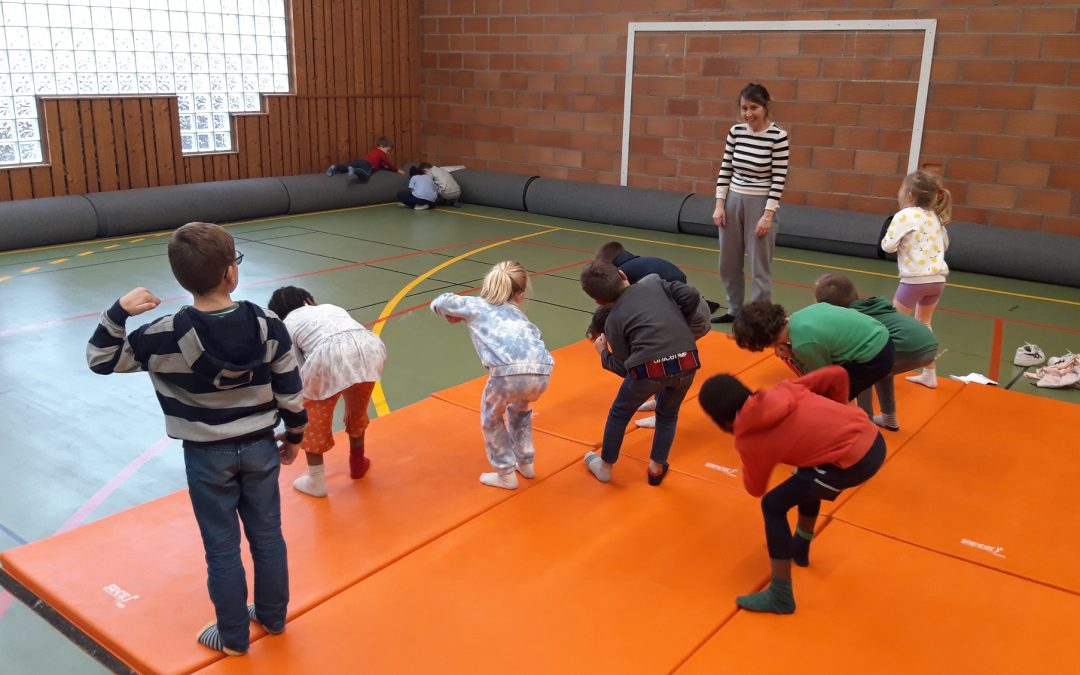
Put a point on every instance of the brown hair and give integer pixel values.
(200, 254)
(384, 142)
(598, 321)
(835, 289)
(505, 280)
(928, 192)
(758, 325)
(609, 251)
(757, 93)
(601, 281)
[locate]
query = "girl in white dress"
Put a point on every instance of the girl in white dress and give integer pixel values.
(338, 358)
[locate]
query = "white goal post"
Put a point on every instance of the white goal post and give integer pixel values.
(928, 26)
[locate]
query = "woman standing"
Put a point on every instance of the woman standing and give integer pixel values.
(748, 188)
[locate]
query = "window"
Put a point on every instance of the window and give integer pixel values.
(216, 56)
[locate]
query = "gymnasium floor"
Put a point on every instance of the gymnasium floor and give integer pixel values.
(80, 447)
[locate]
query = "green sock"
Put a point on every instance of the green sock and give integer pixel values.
(777, 598)
(800, 547)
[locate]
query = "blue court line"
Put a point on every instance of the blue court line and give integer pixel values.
(11, 533)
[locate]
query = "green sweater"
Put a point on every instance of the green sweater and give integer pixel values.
(824, 334)
(909, 335)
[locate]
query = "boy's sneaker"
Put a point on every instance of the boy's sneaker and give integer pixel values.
(421, 207)
(1058, 360)
(330, 171)
(1029, 355)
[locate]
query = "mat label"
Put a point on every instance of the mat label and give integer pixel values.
(726, 470)
(120, 595)
(997, 551)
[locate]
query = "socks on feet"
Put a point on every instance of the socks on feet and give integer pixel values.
(527, 470)
(210, 637)
(507, 482)
(657, 478)
(800, 547)
(358, 464)
(886, 422)
(646, 422)
(777, 598)
(647, 406)
(313, 482)
(927, 378)
(251, 615)
(596, 466)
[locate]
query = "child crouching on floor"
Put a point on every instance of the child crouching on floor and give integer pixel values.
(804, 423)
(512, 349)
(339, 358)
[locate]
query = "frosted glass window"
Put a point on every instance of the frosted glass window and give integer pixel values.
(217, 56)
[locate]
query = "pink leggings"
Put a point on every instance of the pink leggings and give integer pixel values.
(912, 295)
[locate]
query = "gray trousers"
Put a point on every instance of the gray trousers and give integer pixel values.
(506, 419)
(886, 393)
(737, 239)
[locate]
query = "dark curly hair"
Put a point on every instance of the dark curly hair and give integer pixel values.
(758, 325)
(288, 298)
(599, 319)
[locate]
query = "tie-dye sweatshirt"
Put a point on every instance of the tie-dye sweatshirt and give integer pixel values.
(506, 341)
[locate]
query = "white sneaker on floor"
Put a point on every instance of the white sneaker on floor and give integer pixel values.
(1058, 360)
(421, 207)
(647, 406)
(1029, 355)
(646, 422)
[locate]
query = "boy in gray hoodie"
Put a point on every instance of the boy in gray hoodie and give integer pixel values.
(648, 340)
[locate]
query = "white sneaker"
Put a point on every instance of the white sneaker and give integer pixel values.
(647, 406)
(1029, 355)
(421, 207)
(1058, 360)
(646, 422)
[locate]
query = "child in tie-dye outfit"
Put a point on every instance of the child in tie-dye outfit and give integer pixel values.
(512, 349)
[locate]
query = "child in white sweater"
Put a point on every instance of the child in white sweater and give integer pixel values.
(512, 349)
(918, 236)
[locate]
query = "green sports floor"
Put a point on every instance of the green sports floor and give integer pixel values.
(79, 447)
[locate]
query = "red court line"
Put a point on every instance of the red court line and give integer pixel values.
(995, 350)
(51, 322)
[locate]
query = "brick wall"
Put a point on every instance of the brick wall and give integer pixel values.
(537, 86)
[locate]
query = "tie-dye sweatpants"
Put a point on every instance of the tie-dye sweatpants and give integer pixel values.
(506, 419)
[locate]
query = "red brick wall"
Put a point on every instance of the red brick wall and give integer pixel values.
(537, 86)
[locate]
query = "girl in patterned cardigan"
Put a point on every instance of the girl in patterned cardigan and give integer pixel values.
(917, 235)
(512, 349)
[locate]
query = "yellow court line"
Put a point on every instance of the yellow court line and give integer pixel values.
(165, 233)
(58, 261)
(136, 241)
(112, 246)
(28, 270)
(86, 253)
(378, 396)
(854, 270)
(3, 279)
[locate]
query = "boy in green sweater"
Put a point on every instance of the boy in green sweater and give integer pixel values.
(915, 345)
(817, 336)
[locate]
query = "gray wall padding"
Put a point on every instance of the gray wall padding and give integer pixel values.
(630, 207)
(488, 188)
(25, 223)
(1021, 254)
(163, 208)
(319, 192)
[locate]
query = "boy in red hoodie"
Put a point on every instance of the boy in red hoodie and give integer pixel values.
(807, 424)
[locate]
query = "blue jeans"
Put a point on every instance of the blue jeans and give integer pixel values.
(669, 391)
(225, 479)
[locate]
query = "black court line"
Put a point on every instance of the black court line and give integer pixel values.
(1018, 376)
(11, 533)
(69, 630)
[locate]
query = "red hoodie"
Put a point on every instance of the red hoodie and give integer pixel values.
(804, 422)
(378, 159)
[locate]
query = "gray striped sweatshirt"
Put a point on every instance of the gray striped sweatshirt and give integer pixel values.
(218, 376)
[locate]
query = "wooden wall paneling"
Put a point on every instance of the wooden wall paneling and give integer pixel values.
(173, 123)
(52, 146)
(149, 142)
(86, 137)
(41, 181)
(135, 145)
(119, 136)
(104, 137)
(273, 121)
(5, 186)
(21, 187)
(163, 130)
(264, 146)
(196, 171)
(252, 147)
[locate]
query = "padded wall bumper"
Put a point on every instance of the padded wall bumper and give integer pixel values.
(319, 192)
(162, 208)
(26, 223)
(489, 188)
(1021, 254)
(613, 204)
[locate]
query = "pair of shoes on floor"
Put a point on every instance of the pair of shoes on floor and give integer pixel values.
(1054, 361)
(421, 207)
(723, 318)
(1029, 355)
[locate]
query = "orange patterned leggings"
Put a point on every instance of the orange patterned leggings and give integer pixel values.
(318, 437)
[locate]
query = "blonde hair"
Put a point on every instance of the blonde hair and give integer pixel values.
(504, 281)
(928, 192)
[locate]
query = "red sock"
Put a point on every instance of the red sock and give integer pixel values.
(358, 464)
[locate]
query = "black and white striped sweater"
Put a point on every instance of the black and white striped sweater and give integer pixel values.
(754, 163)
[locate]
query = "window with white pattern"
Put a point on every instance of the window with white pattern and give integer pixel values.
(216, 56)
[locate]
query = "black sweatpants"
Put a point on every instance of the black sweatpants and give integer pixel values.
(862, 376)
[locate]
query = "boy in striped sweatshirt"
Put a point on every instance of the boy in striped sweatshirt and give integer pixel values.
(224, 374)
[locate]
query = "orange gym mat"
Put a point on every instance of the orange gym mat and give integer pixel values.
(425, 462)
(573, 576)
(869, 603)
(576, 402)
(992, 479)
